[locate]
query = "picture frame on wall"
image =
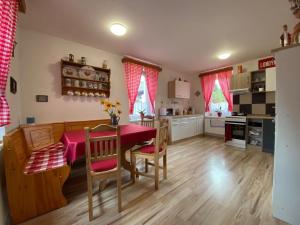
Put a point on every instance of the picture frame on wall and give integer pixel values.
(13, 85)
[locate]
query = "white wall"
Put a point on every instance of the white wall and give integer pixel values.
(41, 74)
(286, 183)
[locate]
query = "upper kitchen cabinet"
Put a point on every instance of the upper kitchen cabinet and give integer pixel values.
(271, 79)
(240, 82)
(179, 89)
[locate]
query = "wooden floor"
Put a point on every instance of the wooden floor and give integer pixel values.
(207, 183)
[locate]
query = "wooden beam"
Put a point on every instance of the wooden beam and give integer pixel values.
(230, 68)
(141, 62)
(22, 6)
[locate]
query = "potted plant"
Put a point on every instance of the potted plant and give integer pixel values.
(219, 112)
(113, 110)
(142, 113)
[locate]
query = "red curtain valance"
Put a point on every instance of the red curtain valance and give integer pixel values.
(211, 72)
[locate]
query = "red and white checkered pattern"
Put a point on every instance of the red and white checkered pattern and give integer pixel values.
(8, 19)
(45, 159)
(133, 73)
(152, 83)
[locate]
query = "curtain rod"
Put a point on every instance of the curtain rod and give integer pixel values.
(216, 71)
(141, 62)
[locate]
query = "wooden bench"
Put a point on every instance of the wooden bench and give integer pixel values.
(36, 169)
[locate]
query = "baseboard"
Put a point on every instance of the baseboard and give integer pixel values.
(214, 135)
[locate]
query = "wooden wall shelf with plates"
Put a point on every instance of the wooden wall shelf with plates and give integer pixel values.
(84, 80)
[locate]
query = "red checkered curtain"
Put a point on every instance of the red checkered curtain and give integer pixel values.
(152, 83)
(8, 20)
(133, 73)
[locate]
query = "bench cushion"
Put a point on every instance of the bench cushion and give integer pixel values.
(47, 158)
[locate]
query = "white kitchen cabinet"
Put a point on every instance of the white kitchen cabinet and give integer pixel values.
(186, 127)
(271, 79)
(179, 89)
(215, 126)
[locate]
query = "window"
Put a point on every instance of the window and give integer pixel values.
(218, 101)
(142, 102)
(2, 133)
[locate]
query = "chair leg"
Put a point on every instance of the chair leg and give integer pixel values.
(146, 165)
(90, 196)
(156, 165)
(133, 169)
(119, 188)
(165, 166)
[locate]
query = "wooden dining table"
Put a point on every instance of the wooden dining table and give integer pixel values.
(131, 135)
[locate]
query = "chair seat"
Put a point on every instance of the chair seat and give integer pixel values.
(47, 158)
(148, 149)
(104, 165)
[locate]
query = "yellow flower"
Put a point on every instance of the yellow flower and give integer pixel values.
(112, 105)
(118, 103)
(119, 111)
(108, 105)
(102, 102)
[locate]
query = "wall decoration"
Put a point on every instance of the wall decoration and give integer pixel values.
(286, 37)
(41, 98)
(266, 63)
(295, 7)
(197, 93)
(13, 85)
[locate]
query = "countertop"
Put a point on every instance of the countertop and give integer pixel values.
(182, 116)
(260, 117)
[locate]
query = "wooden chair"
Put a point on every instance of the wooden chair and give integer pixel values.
(148, 121)
(103, 160)
(153, 153)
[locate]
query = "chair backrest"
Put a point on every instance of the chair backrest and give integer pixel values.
(161, 141)
(38, 136)
(102, 143)
(148, 121)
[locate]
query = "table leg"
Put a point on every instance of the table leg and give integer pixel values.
(126, 164)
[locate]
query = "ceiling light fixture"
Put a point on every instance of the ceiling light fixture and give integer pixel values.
(118, 29)
(224, 56)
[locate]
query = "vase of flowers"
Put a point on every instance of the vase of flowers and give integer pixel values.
(219, 112)
(113, 110)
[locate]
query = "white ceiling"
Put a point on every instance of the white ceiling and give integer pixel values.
(185, 35)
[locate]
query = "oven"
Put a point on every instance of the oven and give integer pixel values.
(235, 131)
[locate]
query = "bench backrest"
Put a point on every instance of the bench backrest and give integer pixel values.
(38, 136)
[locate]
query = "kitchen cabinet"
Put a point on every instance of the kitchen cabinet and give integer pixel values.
(214, 126)
(271, 79)
(240, 81)
(179, 89)
(186, 127)
(268, 135)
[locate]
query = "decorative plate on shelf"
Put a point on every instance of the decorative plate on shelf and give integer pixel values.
(69, 71)
(87, 72)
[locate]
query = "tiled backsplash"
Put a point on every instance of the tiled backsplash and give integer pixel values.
(258, 103)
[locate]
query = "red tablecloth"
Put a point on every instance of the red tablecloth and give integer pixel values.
(131, 135)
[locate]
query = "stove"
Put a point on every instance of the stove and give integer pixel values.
(235, 131)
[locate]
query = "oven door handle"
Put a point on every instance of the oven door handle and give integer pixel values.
(242, 124)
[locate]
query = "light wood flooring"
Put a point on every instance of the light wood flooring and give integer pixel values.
(207, 183)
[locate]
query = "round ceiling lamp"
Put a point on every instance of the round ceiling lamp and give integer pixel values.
(118, 29)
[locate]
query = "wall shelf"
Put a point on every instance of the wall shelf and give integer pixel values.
(99, 84)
